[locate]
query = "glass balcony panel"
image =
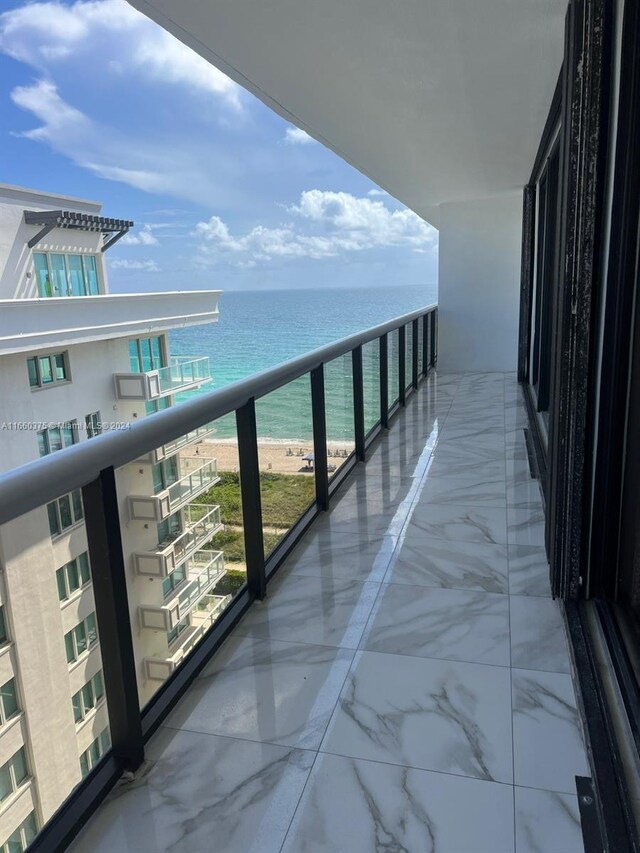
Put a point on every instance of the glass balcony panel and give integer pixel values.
(371, 384)
(182, 372)
(188, 557)
(408, 358)
(286, 458)
(420, 346)
(338, 395)
(394, 366)
(52, 658)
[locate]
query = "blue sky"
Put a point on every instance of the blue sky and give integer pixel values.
(99, 102)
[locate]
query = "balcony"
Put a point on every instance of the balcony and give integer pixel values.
(202, 617)
(408, 656)
(183, 374)
(174, 497)
(173, 447)
(32, 324)
(201, 523)
(204, 571)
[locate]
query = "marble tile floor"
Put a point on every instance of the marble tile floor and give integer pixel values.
(405, 686)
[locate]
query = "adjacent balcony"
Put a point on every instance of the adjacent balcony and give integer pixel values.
(204, 571)
(202, 618)
(174, 497)
(201, 523)
(184, 373)
(173, 447)
(31, 324)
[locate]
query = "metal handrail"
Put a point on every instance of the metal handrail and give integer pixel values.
(29, 486)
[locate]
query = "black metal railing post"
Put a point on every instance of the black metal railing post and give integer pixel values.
(251, 501)
(402, 351)
(358, 402)
(433, 331)
(426, 324)
(414, 354)
(384, 381)
(319, 418)
(109, 577)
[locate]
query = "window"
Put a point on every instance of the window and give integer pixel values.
(13, 774)
(93, 424)
(174, 633)
(169, 528)
(64, 512)
(46, 370)
(22, 837)
(152, 406)
(4, 637)
(94, 753)
(79, 639)
(146, 354)
(164, 474)
(8, 701)
(88, 697)
(55, 438)
(66, 275)
(72, 576)
(173, 580)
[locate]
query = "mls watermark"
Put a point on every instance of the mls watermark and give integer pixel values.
(39, 426)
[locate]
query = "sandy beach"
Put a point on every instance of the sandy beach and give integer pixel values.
(282, 457)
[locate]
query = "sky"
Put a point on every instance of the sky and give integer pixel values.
(97, 101)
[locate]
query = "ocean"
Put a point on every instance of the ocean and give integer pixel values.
(258, 329)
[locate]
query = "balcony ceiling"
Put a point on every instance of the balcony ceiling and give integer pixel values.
(434, 100)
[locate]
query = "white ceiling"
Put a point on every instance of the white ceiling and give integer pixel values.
(435, 100)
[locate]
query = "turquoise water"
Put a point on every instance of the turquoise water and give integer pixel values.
(259, 329)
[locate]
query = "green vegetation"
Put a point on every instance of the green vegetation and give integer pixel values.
(231, 543)
(231, 582)
(284, 498)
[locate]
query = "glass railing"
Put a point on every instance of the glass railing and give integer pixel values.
(182, 372)
(184, 441)
(191, 484)
(204, 571)
(277, 447)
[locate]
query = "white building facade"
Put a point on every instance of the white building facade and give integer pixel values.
(76, 360)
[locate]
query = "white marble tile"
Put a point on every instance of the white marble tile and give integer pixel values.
(528, 571)
(463, 449)
(432, 714)
(312, 609)
(525, 494)
(547, 822)
(460, 523)
(547, 741)
(525, 526)
(203, 793)
(445, 467)
(472, 431)
(469, 491)
(424, 561)
(341, 554)
(538, 639)
(454, 624)
(266, 690)
(362, 807)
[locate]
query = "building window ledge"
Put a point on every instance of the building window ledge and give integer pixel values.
(14, 721)
(75, 596)
(68, 530)
(15, 795)
(84, 657)
(90, 716)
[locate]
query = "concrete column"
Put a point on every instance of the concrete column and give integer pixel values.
(479, 284)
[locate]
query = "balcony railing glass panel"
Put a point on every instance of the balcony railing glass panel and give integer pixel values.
(183, 371)
(371, 384)
(338, 392)
(394, 367)
(286, 458)
(408, 358)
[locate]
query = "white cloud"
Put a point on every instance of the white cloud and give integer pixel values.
(40, 34)
(140, 266)
(144, 237)
(297, 136)
(328, 224)
(377, 192)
